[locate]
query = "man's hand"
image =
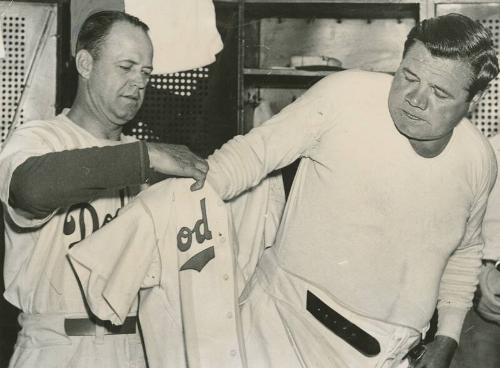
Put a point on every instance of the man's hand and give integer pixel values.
(438, 354)
(489, 296)
(177, 160)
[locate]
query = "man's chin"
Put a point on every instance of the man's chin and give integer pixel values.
(414, 136)
(124, 118)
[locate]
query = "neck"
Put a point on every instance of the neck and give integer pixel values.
(85, 116)
(430, 149)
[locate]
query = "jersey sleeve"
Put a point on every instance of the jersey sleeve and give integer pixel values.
(491, 223)
(460, 277)
(54, 180)
(44, 170)
(23, 144)
(489, 279)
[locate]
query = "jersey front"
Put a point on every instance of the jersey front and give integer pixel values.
(38, 277)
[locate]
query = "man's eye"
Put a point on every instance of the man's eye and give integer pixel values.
(410, 78)
(440, 94)
(125, 67)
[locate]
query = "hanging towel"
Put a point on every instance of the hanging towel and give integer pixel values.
(183, 32)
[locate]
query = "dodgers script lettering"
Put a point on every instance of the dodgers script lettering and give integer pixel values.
(202, 233)
(185, 234)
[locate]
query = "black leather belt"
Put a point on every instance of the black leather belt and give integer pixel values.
(343, 328)
(88, 327)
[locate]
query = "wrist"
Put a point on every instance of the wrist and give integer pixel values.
(492, 262)
(446, 341)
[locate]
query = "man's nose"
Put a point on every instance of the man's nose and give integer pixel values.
(140, 80)
(418, 97)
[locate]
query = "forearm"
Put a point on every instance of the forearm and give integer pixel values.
(234, 168)
(460, 277)
(457, 288)
(295, 132)
(58, 179)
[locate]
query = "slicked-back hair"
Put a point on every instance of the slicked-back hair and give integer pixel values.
(97, 26)
(457, 37)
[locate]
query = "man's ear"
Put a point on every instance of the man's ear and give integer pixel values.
(475, 100)
(84, 63)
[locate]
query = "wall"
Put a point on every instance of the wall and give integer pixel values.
(80, 9)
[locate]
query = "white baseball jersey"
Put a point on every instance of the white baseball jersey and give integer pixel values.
(38, 277)
(183, 246)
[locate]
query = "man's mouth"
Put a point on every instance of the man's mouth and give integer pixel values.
(132, 97)
(412, 117)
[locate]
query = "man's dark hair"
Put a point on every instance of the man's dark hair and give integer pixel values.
(455, 36)
(96, 27)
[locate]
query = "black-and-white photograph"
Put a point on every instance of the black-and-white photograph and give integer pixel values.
(249, 184)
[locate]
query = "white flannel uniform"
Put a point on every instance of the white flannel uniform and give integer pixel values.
(181, 248)
(38, 277)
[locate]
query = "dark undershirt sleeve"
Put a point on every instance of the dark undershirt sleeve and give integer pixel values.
(44, 183)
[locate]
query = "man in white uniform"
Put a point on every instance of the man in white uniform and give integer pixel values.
(383, 222)
(65, 178)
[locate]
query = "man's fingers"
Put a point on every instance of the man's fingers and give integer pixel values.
(200, 181)
(197, 185)
(202, 165)
(178, 160)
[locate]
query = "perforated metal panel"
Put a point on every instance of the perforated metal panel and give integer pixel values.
(173, 109)
(12, 69)
(28, 71)
(198, 107)
(486, 116)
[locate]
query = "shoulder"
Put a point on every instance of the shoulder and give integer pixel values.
(357, 78)
(495, 143)
(473, 141)
(56, 134)
(42, 129)
(476, 151)
(355, 85)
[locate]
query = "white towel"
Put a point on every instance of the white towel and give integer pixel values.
(183, 32)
